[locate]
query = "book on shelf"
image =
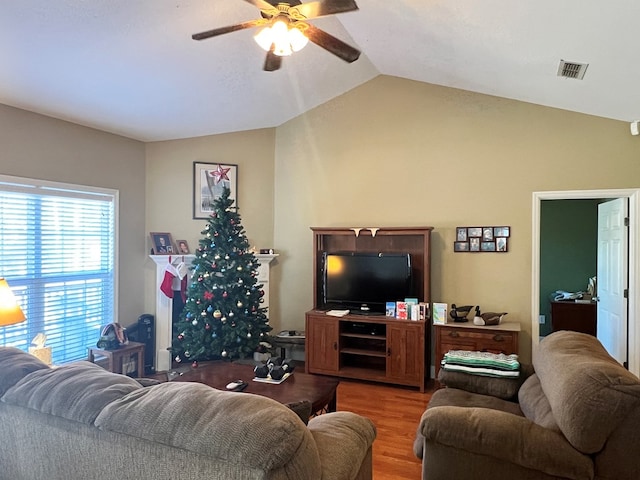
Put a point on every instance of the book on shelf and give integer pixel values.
(391, 309)
(401, 310)
(439, 313)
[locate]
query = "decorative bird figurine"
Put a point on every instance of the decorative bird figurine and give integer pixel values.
(459, 314)
(488, 318)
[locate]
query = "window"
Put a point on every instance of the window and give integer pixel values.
(57, 251)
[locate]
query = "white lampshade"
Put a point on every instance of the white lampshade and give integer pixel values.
(10, 311)
(297, 39)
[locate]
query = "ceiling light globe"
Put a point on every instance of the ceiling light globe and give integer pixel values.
(282, 49)
(264, 38)
(297, 39)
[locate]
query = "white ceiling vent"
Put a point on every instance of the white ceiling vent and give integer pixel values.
(572, 69)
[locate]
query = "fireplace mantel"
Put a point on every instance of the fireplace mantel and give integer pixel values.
(164, 304)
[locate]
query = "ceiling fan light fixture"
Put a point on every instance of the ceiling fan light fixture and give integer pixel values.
(285, 40)
(264, 38)
(297, 39)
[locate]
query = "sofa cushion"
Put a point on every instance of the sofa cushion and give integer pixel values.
(234, 427)
(77, 391)
(505, 388)
(534, 404)
(344, 438)
(301, 408)
(461, 398)
(591, 394)
(453, 397)
(15, 364)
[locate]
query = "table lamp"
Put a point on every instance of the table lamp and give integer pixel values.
(10, 311)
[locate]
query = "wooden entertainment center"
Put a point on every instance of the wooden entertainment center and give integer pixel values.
(376, 348)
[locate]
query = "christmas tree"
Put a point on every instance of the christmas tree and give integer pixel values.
(222, 316)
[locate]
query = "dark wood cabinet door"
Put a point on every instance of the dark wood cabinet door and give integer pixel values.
(322, 344)
(405, 352)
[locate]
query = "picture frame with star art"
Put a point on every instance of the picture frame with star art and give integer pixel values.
(209, 180)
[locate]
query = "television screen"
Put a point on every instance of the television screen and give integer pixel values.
(364, 282)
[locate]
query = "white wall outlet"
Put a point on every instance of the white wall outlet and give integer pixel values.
(542, 319)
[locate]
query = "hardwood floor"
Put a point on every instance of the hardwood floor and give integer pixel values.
(396, 412)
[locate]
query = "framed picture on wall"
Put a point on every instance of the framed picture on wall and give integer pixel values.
(501, 231)
(474, 244)
(488, 246)
(209, 180)
(461, 246)
(475, 231)
(487, 234)
(461, 234)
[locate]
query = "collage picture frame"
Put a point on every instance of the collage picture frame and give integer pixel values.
(482, 239)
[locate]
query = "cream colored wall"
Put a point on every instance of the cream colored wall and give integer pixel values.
(36, 146)
(395, 152)
(391, 152)
(169, 187)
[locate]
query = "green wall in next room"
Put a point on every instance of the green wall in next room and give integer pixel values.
(568, 249)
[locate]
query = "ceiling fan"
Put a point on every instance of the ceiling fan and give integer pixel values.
(287, 31)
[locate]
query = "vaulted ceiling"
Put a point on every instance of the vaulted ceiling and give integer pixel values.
(130, 66)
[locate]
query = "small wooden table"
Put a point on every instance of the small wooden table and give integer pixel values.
(502, 338)
(575, 316)
(116, 357)
(319, 390)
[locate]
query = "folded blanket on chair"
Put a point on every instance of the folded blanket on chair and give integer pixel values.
(482, 363)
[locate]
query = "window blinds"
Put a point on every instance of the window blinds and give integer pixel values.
(57, 251)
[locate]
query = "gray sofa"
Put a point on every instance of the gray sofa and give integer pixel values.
(80, 421)
(577, 417)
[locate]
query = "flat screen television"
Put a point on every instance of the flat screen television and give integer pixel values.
(364, 282)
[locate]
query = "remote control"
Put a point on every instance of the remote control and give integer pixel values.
(237, 385)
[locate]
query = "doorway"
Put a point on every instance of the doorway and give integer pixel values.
(633, 196)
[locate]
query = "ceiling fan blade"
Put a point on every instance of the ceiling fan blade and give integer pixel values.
(231, 28)
(326, 7)
(272, 62)
(332, 44)
(261, 4)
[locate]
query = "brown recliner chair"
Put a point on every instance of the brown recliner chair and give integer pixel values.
(577, 417)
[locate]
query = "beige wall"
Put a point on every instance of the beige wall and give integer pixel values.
(390, 152)
(35, 146)
(170, 188)
(395, 152)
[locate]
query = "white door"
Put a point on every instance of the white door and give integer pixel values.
(612, 278)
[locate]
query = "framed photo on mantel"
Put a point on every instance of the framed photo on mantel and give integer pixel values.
(162, 243)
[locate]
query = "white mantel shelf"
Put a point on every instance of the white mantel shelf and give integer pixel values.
(164, 305)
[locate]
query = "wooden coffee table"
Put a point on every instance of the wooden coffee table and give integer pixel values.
(319, 390)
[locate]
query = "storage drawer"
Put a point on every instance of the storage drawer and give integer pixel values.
(500, 339)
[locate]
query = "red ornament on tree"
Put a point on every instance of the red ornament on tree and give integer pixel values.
(194, 364)
(225, 295)
(208, 295)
